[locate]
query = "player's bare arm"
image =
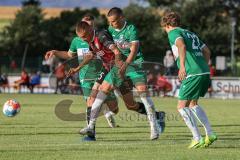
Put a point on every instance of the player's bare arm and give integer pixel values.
(206, 53)
(86, 59)
(182, 55)
(59, 54)
(133, 52)
(118, 59)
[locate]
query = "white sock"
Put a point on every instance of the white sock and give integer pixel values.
(202, 118)
(150, 109)
(189, 119)
(96, 108)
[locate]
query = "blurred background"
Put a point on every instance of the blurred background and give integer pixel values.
(29, 28)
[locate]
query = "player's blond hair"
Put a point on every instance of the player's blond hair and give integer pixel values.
(170, 18)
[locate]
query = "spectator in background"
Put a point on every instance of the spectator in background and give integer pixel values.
(169, 63)
(3, 81)
(60, 75)
(212, 73)
(13, 65)
(23, 81)
(163, 85)
(35, 79)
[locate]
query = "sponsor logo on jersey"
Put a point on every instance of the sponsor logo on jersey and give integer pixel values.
(122, 44)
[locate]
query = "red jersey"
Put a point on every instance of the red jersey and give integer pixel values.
(24, 77)
(100, 45)
(162, 82)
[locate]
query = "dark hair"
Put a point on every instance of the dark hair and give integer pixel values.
(115, 11)
(82, 26)
(88, 17)
(170, 18)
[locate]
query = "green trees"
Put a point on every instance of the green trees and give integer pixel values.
(211, 20)
(58, 32)
(23, 30)
(31, 33)
(153, 40)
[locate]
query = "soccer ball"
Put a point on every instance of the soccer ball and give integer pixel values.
(11, 108)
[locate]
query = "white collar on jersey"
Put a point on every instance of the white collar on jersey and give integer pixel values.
(93, 35)
(118, 30)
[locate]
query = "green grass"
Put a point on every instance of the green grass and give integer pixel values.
(36, 133)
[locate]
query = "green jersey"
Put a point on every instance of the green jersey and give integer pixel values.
(123, 39)
(91, 70)
(195, 63)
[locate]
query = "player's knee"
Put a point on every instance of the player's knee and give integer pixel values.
(183, 103)
(142, 89)
(193, 103)
(180, 107)
(106, 88)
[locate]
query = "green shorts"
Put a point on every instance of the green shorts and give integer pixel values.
(87, 89)
(194, 87)
(133, 72)
(136, 73)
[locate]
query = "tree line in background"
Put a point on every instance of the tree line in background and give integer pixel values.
(29, 32)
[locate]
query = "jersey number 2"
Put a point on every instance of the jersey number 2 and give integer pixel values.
(195, 41)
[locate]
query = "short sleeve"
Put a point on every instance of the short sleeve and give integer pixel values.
(133, 34)
(173, 36)
(73, 47)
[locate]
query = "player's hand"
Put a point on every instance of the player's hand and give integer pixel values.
(49, 54)
(182, 74)
(72, 71)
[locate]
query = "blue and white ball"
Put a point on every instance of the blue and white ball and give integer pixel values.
(11, 108)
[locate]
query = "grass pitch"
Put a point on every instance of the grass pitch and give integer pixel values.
(37, 133)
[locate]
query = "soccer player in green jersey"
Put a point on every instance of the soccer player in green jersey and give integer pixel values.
(88, 75)
(192, 57)
(125, 36)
